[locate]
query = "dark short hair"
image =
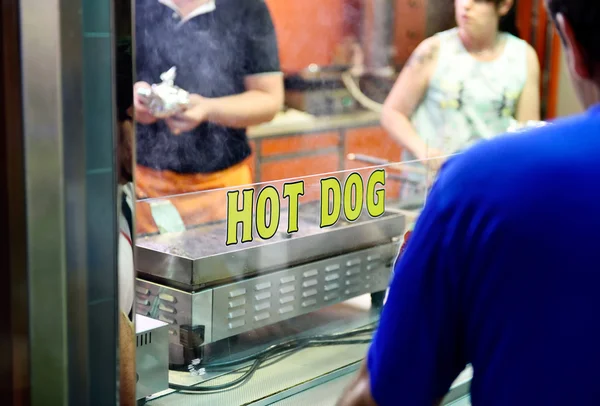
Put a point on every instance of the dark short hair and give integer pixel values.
(508, 22)
(583, 16)
(124, 82)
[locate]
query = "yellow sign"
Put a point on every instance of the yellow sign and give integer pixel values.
(350, 199)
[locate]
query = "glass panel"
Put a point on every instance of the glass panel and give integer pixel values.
(250, 281)
(273, 187)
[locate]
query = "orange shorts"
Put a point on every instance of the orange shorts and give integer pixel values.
(203, 204)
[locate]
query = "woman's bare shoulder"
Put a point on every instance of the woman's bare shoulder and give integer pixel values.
(425, 53)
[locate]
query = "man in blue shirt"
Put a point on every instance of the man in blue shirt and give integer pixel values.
(502, 270)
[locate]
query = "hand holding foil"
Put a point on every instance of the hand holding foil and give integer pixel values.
(164, 99)
(196, 114)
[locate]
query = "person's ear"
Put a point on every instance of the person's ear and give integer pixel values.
(576, 55)
(504, 7)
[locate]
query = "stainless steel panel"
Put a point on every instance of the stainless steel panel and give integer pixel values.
(55, 182)
(256, 302)
(202, 305)
(199, 257)
(168, 305)
(253, 303)
(176, 308)
(152, 356)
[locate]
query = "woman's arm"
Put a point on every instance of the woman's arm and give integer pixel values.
(528, 107)
(406, 95)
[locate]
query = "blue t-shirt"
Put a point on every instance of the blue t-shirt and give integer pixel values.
(503, 272)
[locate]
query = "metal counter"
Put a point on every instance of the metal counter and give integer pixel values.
(327, 393)
(313, 376)
(286, 124)
(289, 375)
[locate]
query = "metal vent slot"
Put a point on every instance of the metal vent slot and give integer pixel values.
(287, 279)
(332, 277)
(237, 303)
(310, 292)
(262, 306)
(263, 296)
(374, 257)
(287, 289)
(331, 286)
(352, 271)
(311, 273)
(143, 339)
(353, 262)
(237, 313)
(374, 266)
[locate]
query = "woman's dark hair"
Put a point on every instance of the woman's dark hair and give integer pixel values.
(508, 23)
(583, 16)
(124, 71)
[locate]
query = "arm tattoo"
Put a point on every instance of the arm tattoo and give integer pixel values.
(421, 57)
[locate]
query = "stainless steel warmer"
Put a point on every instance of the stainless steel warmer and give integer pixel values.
(152, 356)
(208, 291)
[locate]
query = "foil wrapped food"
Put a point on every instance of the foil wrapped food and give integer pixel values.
(165, 99)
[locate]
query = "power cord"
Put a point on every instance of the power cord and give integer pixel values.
(352, 333)
(358, 94)
(273, 351)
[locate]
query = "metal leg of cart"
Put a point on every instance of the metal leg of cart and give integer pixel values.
(377, 299)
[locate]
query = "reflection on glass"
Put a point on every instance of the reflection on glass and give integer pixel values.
(465, 84)
(206, 71)
(126, 239)
(265, 275)
(297, 269)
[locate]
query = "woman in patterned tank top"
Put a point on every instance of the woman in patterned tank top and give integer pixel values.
(464, 84)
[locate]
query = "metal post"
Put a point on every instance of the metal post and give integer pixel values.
(51, 38)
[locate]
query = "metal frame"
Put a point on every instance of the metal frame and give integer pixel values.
(457, 393)
(152, 357)
(321, 380)
(51, 43)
